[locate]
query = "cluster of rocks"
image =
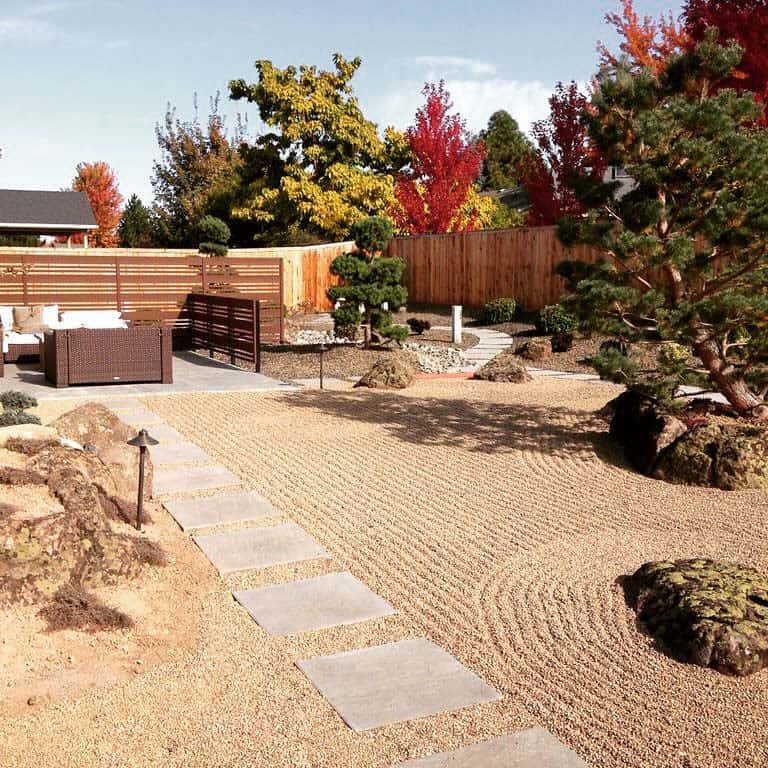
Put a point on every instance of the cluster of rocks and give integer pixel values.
(714, 614)
(436, 359)
(307, 337)
(690, 447)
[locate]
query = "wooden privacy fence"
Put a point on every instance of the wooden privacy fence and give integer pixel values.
(472, 268)
(147, 286)
(226, 324)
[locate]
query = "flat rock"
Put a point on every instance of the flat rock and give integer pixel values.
(220, 509)
(259, 547)
(165, 434)
(390, 683)
(179, 453)
(189, 479)
(535, 748)
(310, 604)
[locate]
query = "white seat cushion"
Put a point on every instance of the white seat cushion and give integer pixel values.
(12, 337)
(92, 318)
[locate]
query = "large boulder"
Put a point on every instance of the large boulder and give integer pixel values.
(643, 430)
(704, 612)
(534, 350)
(504, 368)
(730, 456)
(388, 373)
(35, 432)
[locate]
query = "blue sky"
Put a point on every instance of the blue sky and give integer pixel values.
(89, 79)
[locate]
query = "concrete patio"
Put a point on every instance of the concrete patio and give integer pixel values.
(191, 373)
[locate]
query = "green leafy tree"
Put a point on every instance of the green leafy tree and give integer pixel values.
(198, 165)
(372, 284)
(686, 251)
(136, 229)
(323, 165)
(506, 147)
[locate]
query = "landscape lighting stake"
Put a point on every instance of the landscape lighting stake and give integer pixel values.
(323, 349)
(142, 441)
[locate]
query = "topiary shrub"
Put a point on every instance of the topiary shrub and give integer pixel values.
(16, 417)
(499, 311)
(13, 400)
(418, 326)
(214, 235)
(555, 319)
(372, 234)
(562, 342)
(346, 322)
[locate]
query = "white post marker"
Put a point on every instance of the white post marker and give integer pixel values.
(456, 324)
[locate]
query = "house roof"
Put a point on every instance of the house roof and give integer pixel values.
(39, 212)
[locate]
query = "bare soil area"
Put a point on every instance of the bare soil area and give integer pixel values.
(496, 518)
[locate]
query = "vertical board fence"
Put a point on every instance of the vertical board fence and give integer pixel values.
(472, 268)
(228, 325)
(147, 286)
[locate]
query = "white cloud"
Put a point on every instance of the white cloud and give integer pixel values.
(445, 66)
(36, 23)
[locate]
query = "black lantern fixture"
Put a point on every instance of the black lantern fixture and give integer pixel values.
(323, 349)
(142, 441)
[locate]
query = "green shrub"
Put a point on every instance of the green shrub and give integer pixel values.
(418, 326)
(372, 234)
(15, 417)
(214, 249)
(393, 332)
(499, 311)
(13, 400)
(346, 321)
(214, 235)
(555, 319)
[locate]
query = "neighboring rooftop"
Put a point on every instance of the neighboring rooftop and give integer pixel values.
(45, 213)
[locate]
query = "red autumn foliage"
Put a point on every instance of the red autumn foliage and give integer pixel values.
(745, 21)
(445, 164)
(99, 183)
(564, 153)
(647, 42)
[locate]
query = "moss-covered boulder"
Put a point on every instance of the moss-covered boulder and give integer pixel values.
(721, 455)
(504, 368)
(714, 614)
(389, 373)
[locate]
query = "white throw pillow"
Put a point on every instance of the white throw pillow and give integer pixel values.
(51, 315)
(6, 316)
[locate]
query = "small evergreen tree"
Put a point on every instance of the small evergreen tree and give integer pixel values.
(686, 251)
(136, 230)
(506, 147)
(371, 282)
(214, 234)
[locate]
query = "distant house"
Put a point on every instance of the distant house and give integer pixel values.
(618, 175)
(59, 214)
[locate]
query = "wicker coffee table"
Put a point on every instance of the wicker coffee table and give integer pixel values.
(108, 355)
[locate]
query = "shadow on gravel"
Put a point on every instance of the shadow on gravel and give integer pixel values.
(470, 425)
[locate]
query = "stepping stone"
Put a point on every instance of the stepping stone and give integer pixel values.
(139, 417)
(535, 748)
(390, 683)
(190, 479)
(178, 453)
(319, 603)
(259, 547)
(223, 508)
(166, 434)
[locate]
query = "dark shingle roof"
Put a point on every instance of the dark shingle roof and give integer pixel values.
(20, 208)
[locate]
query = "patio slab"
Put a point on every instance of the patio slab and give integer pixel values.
(259, 547)
(189, 479)
(390, 683)
(165, 434)
(535, 748)
(310, 604)
(178, 453)
(204, 512)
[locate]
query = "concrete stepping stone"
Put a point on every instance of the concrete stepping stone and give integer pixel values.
(178, 453)
(310, 604)
(535, 748)
(139, 417)
(259, 547)
(390, 683)
(222, 508)
(166, 434)
(190, 479)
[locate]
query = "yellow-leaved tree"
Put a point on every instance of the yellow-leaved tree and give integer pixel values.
(323, 165)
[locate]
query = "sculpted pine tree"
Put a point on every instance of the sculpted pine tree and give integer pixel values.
(686, 252)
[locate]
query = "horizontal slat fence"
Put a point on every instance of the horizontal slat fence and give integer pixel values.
(472, 268)
(147, 286)
(226, 324)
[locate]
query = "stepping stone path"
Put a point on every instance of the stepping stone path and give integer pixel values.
(490, 344)
(242, 507)
(311, 604)
(370, 687)
(249, 548)
(535, 748)
(390, 683)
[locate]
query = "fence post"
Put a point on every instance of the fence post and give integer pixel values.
(231, 331)
(118, 287)
(257, 334)
(281, 305)
(203, 275)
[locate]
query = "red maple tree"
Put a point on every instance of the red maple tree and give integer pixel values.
(745, 21)
(564, 153)
(99, 183)
(646, 41)
(445, 163)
